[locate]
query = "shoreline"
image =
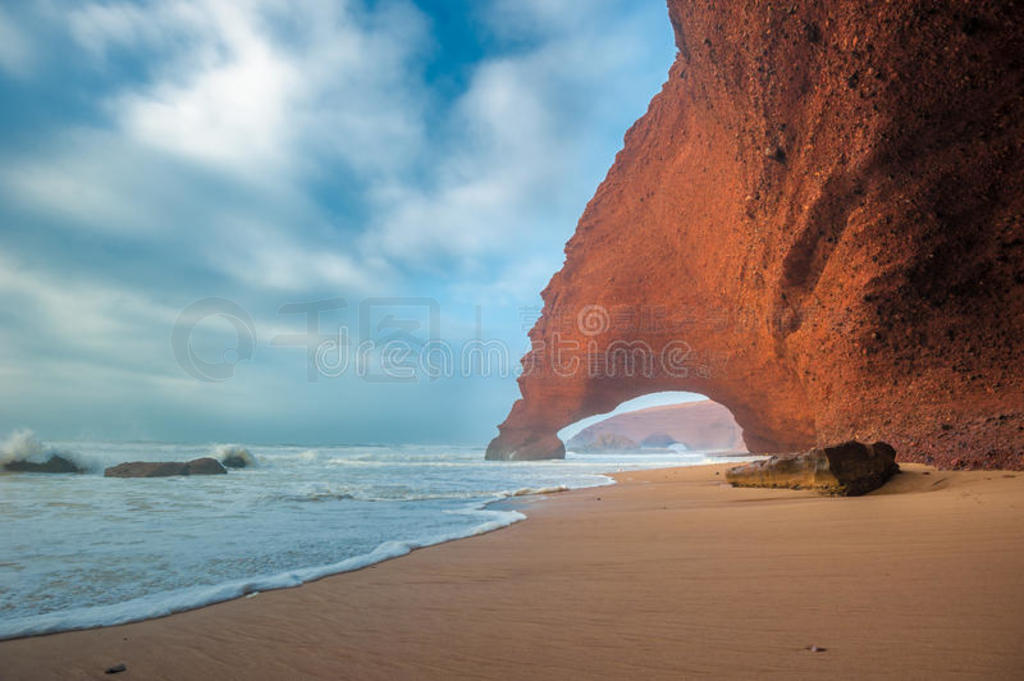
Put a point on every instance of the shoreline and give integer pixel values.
(170, 603)
(669, 573)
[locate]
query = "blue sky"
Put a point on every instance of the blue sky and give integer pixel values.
(273, 153)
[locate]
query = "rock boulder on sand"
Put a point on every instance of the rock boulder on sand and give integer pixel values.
(55, 464)
(849, 469)
(163, 469)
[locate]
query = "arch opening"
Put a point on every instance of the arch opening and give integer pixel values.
(667, 421)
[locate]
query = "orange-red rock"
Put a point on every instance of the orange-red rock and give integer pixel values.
(821, 216)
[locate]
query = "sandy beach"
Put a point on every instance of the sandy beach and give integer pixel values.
(668, 575)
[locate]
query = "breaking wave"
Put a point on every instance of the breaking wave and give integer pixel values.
(23, 446)
(234, 456)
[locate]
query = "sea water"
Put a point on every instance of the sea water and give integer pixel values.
(81, 551)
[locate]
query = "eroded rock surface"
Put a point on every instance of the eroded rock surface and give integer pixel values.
(849, 469)
(819, 223)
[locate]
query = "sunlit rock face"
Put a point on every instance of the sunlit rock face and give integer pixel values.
(818, 223)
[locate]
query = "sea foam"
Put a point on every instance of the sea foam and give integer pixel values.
(179, 600)
(85, 551)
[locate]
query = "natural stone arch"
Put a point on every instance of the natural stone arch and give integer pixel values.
(573, 374)
(828, 200)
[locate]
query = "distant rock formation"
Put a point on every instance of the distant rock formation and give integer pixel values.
(701, 425)
(163, 469)
(604, 442)
(55, 464)
(819, 223)
(659, 441)
(849, 469)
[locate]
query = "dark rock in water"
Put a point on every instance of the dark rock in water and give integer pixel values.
(116, 669)
(849, 469)
(146, 469)
(235, 456)
(205, 466)
(164, 469)
(55, 464)
(234, 461)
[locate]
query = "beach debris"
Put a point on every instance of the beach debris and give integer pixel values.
(116, 669)
(815, 649)
(163, 469)
(849, 469)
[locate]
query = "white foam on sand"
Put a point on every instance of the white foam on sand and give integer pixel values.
(90, 551)
(169, 602)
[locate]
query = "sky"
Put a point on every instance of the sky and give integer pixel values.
(216, 214)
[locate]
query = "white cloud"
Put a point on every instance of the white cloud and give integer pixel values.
(16, 53)
(78, 312)
(276, 151)
(233, 114)
(262, 256)
(267, 95)
(529, 123)
(234, 91)
(70, 192)
(99, 28)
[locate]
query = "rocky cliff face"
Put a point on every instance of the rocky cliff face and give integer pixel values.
(818, 223)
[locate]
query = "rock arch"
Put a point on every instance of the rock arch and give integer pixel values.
(822, 216)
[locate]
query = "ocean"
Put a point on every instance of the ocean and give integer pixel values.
(80, 551)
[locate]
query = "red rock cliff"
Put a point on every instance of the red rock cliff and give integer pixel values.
(818, 223)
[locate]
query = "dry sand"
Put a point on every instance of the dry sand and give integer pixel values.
(668, 575)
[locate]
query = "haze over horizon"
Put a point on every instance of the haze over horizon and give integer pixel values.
(398, 162)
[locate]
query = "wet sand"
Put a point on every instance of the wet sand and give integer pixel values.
(668, 575)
